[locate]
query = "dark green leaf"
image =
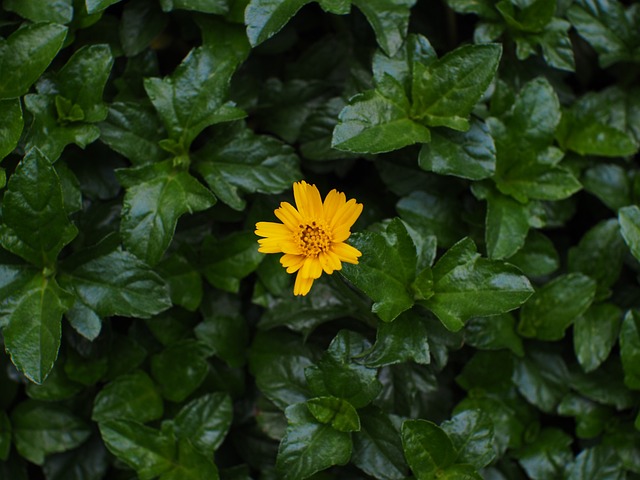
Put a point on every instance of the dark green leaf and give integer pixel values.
(374, 123)
(427, 448)
(40, 429)
(309, 446)
(238, 161)
(597, 463)
(590, 417)
(90, 461)
(219, 7)
(11, 124)
(131, 396)
(186, 110)
(555, 306)
(493, 333)
(157, 195)
(26, 54)
(547, 455)
(223, 330)
(629, 218)
(5, 436)
(466, 286)
(95, 6)
(56, 11)
(594, 334)
(133, 130)
(36, 226)
(149, 452)
(542, 378)
(471, 433)
(610, 183)
(225, 262)
(445, 92)
(57, 386)
(32, 336)
(184, 281)
(537, 257)
(336, 412)
(377, 449)
(630, 349)
(507, 225)
(389, 20)
(205, 421)
(191, 464)
(469, 154)
(141, 22)
(180, 369)
(385, 270)
(265, 18)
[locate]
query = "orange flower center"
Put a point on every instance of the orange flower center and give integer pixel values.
(312, 239)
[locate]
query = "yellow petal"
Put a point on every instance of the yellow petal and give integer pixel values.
(288, 215)
(272, 229)
(346, 253)
(308, 200)
(340, 234)
(332, 203)
(292, 263)
(330, 262)
(302, 285)
(311, 268)
(347, 215)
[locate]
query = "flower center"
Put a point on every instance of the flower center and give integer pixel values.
(312, 238)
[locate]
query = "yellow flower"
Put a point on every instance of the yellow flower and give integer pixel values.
(311, 236)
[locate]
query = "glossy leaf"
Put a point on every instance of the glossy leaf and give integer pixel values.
(542, 378)
(191, 464)
(205, 421)
(629, 218)
(11, 124)
(94, 6)
(595, 333)
(26, 54)
(597, 463)
(610, 183)
(56, 11)
(537, 257)
(309, 446)
(471, 433)
(336, 412)
(629, 349)
(553, 308)
(547, 455)
(265, 18)
(179, 369)
(389, 20)
(427, 448)
(493, 333)
(207, 6)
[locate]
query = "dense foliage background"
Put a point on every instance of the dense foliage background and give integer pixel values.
(490, 329)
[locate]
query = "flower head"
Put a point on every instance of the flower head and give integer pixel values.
(312, 235)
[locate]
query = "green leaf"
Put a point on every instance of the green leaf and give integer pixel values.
(55, 11)
(530, 17)
(385, 270)
(595, 333)
(95, 6)
(186, 110)
(32, 336)
(589, 135)
(40, 429)
(599, 255)
(427, 448)
(605, 25)
(132, 396)
(469, 154)
(180, 369)
(110, 282)
(223, 329)
(389, 20)
(597, 463)
(141, 22)
(191, 464)
(537, 257)
(547, 455)
(157, 195)
(445, 92)
(556, 45)
(36, 226)
(377, 449)
(610, 183)
(375, 123)
(218, 7)
(542, 378)
(465, 286)
(225, 262)
(205, 421)
(11, 124)
(629, 218)
(265, 18)
(507, 225)
(90, 460)
(309, 446)
(149, 452)
(238, 161)
(399, 341)
(184, 281)
(26, 54)
(493, 333)
(471, 433)
(337, 412)
(338, 375)
(630, 349)
(133, 130)
(555, 306)
(57, 386)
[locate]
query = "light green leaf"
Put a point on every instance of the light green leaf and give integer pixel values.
(589, 135)
(337, 412)
(149, 452)
(40, 429)
(55, 11)
(375, 123)
(445, 92)
(310, 446)
(470, 154)
(465, 286)
(385, 270)
(132, 396)
(11, 125)
(26, 54)
(157, 195)
(32, 336)
(506, 225)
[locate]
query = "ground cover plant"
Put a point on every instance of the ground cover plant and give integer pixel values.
(463, 305)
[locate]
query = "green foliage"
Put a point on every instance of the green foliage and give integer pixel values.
(491, 327)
